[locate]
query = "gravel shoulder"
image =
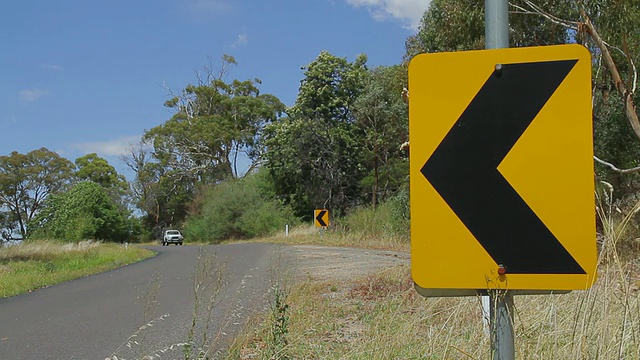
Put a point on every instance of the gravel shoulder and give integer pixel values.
(342, 264)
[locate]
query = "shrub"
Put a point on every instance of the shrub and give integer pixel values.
(238, 209)
(86, 211)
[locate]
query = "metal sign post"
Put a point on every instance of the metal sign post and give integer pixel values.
(496, 24)
(501, 325)
(496, 33)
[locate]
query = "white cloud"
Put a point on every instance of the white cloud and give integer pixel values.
(408, 12)
(115, 147)
(52, 67)
(32, 94)
(241, 40)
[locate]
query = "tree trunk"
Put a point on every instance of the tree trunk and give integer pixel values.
(627, 96)
(376, 176)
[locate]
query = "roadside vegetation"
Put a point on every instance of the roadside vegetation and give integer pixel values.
(385, 227)
(381, 316)
(32, 265)
(237, 209)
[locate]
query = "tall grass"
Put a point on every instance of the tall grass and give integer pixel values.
(383, 227)
(390, 219)
(32, 265)
(382, 317)
(308, 234)
(44, 250)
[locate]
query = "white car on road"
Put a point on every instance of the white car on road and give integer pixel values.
(172, 237)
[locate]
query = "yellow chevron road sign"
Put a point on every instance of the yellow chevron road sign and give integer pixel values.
(501, 170)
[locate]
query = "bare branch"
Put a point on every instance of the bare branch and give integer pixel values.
(616, 169)
(627, 54)
(537, 10)
(630, 108)
(594, 88)
(574, 25)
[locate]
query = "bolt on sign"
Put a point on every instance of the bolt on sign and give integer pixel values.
(501, 170)
(321, 218)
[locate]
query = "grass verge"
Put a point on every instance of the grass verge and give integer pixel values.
(310, 235)
(33, 265)
(382, 317)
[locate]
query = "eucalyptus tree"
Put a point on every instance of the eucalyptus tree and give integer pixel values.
(161, 193)
(98, 170)
(315, 155)
(215, 122)
(26, 180)
(382, 119)
(94, 168)
(8, 226)
(610, 29)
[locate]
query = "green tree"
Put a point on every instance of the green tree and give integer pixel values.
(448, 25)
(314, 156)
(455, 25)
(214, 123)
(26, 180)
(330, 87)
(382, 118)
(85, 211)
(91, 167)
(8, 225)
(161, 193)
(94, 168)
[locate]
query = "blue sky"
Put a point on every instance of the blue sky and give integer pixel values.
(82, 76)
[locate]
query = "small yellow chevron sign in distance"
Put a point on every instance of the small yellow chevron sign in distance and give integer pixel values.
(501, 170)
(321, 218)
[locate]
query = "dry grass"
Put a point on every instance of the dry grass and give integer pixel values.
(310, 235)
(44, 250)
(376, 317)
(600, 323)
(33, 265)
(382, 317)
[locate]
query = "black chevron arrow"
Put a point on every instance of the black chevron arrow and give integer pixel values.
(320, 219)
(463, 169)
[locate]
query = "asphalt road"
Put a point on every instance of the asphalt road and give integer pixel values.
(93, 317)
